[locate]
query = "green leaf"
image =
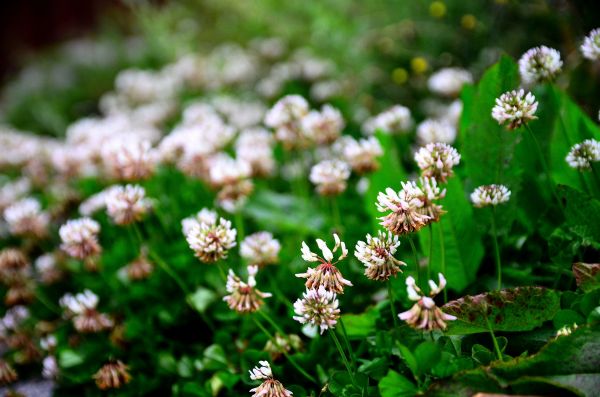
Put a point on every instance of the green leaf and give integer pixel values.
(396, 385)
(427, 354)
(513, 309)
(567, 317)
(587, 275)
(202, 298)
(408, 357)
(69, 358)
(359, 326)
(582, 213)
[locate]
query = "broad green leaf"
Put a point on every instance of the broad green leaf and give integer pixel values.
(202, 298)
(69, 358)
(427, 355)
(582, 213)
(359, 326)
(513, 309)
(567, 317)
(396, 385)
(462, 245)
(587, 275)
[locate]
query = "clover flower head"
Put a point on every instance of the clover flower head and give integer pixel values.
(205, 215)
(431, 131)
(319, 308)
(424, 314)
(431, 193)
(437, 160)
(326, 274)
(285, 118)
(82, 309)
(590, 48)
(233, 196)
(14, 266)
(360, 154)
(260, 249)
(270, 387)
(49, 367)
(80, 238)
(129, 159)
(377, 254)
(225, 170)
(487, 195)
(244, 297)
(112, 375)
(539, 64)
(255, 147)
(127, 204)
(26, 218)
(582, 155)
(323, 127)
(140, 268)
(212, 241)
(406, 214)
(330, 176)
(396, 119)
(515, 108)
(449, 81)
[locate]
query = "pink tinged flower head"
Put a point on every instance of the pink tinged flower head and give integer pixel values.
(326, 274)
(270, 387)
(127, 204)
(488, 195)
(590, 48)
(515, 108)
(424, 314)
(211, 241)
(437, 160)
(26, 218)
(81, 308)
(405, 209)
(318, 307)
(330, 177)
(244, 297)
(260, 249)
(129, 159)
(361, 154)
(285, 118)
(377, 255)
(323, 127)
(80, 238)
(582, 155)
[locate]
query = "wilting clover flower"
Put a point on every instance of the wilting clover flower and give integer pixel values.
(8, 374)
(449, 81)
(582, 155)
(323, 127)
(539, 64)
(14, 266)
(281, 344)
(127, 204)
(425, 314)
(318, 307)
(591, 45)
(437, 160)
(80, 238)
(285, 118)
(515, 108)
(487, 195)
(26, 218)
(326, 275)
(205, 215)
(330, 176)
(377, 254)
(431, 193)
(112, 375)
(244, 297)
(260, 249)
(270, 387)
(406, 214)
(396, 119)
(211, 241)
(82, 309)
(361, 154)
(140, 268)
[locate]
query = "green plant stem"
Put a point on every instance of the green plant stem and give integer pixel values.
(335, 212)
(494, 340)
(272, 323)
(348, 345)
(239, 225)
(46, 302)
(391, 297)
(343, 355)
(429, 260)
(282, 350)
(442, 257)
(416, 257)
(544, 164)
(496, 249)
(596, 174)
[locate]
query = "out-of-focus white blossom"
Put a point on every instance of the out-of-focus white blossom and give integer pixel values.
(488, 195)
(582, 155)
(396, 119)
(330, 177)
(127, 204)
(449, 81)
(590, 48)
(285, 118)
(260, 249)
(82, 309)
(432, 131)
(323, 127)
(129, 159)
(25, 217)
(437, 160)
(80, 238)
(360, 154)
(255, 147)
(13, 190)
(539, 64)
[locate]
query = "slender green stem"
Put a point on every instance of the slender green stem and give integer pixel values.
(222, 272)
(416, 257)
(429, 260)
(282, 350)
(335, 214)
(494, 340)
(496, 249)
(544, 164)
(170, 272)
(239, 225)
(39, 294)
(391, 298)
(442, 257)
(343, 355)
(273, 323)
(347, 341)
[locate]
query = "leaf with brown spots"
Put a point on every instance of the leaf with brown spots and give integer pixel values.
(587, 275)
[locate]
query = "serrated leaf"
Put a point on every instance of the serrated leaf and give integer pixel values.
(514, 309)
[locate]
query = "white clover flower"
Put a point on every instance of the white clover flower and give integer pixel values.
(424, 314)
(285, 118)
(80, 238)
(431, 194)
(406, 214)
(260, 249)
(396, 119)
(127, 204)
(224, 170)
(323, 127)
(361, 155)
(25, 217)
(82, 309)
(377, 254)
(48, 343)
(431, 131)
(211, 241)
(582, 155)
(270, 386)
(326, 275)
(487, 195)
(330, 176)
(244, 297)
(205, 215)
(95, 202)
(319, 308)
(13, 190)
(539, 64)
(129, 159)
(49, 368)
(255, 147)
(590, 48)
(515, 108)
(437, 160)
(449, 81)
(13, 318)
